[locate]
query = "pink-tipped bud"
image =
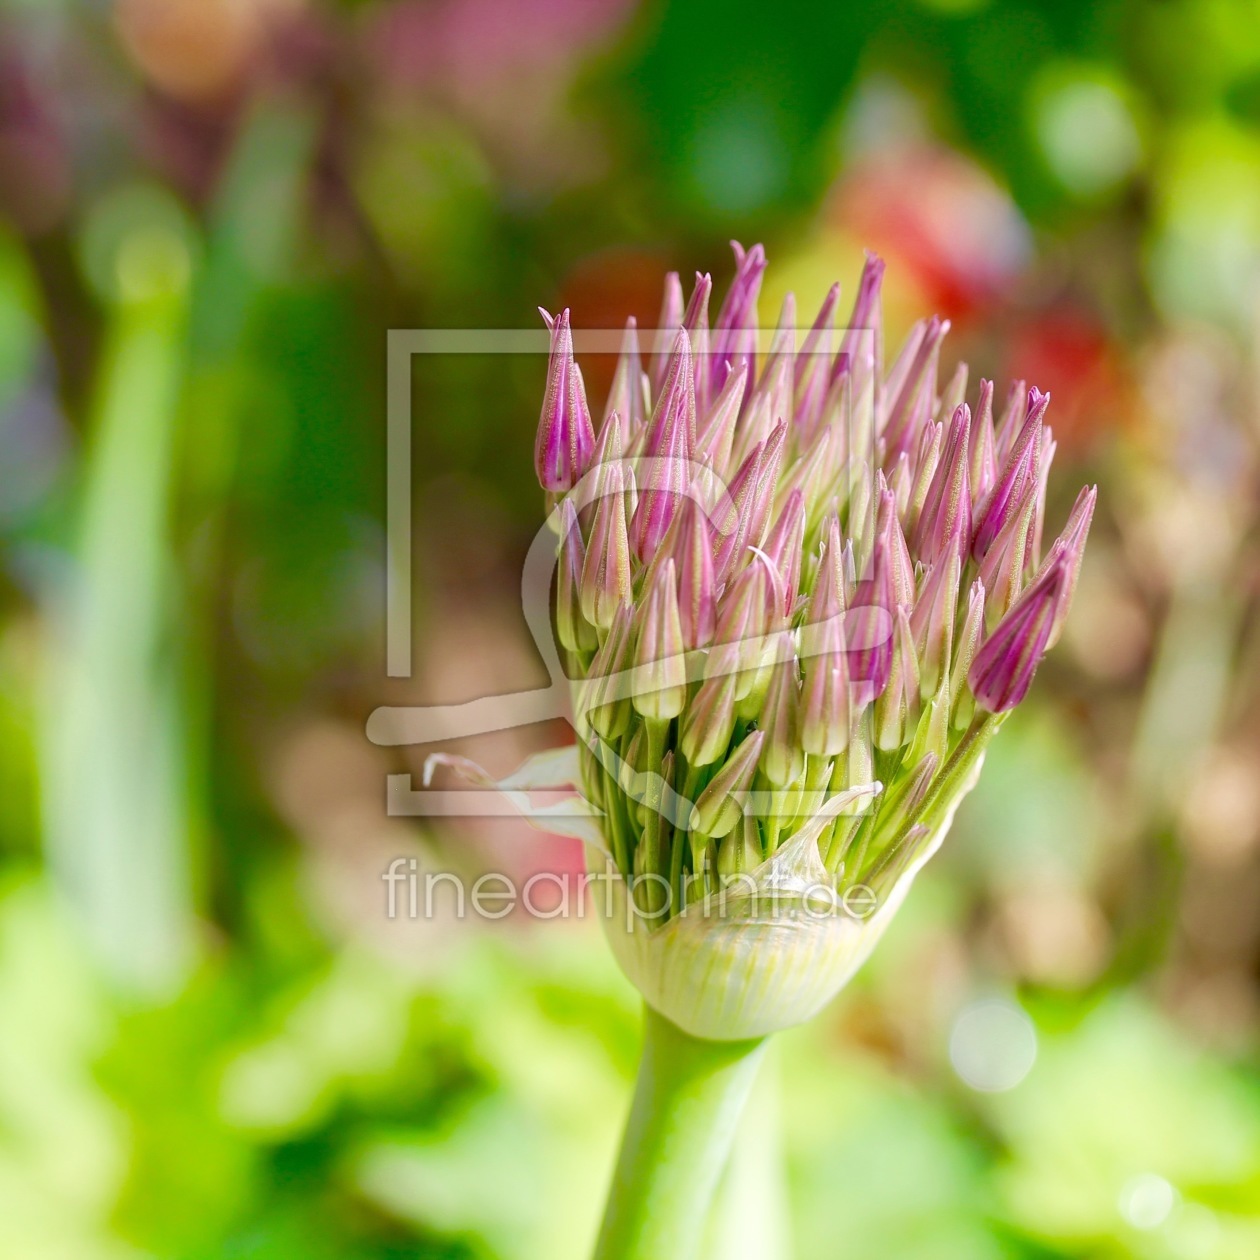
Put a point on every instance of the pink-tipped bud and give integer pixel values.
(1073, 540)
(825, 696)
(667, 322)
(605, 699)
(749, 604)
(717, 438)
(829, 596)
(606, 573)
(767, 481)
(572, 628)
(692, 550)
(707, 724)
(661, 688)
(783, 758)
(861, 345)
(913, 402)
(869, 627)
(897, 708)
(1006, 497)
(732, 517)
(933, 619)
(1011, 421)
(628, 395)
(966, 645)
(784, 545)
(954, 394)
(734, 334)
(566, 437)
(901, 566)
(813, 369)
(719, 807)
(696, 322)
(1003, 566)
(1003, 670)
(981, 451)
(945, 518)
(667, 470)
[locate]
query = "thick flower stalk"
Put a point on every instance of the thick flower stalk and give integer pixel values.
(797, 593)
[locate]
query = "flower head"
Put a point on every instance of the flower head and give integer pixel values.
(800, 600)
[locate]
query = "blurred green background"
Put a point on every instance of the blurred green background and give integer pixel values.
(213, 1042)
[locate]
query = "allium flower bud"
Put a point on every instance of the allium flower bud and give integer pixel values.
(628, 396)
(735, 332)
(566, 437)
(945, 518)
(691, 547)
(658, 655)
(572, 628)
(669, 447)
(783, 758)
(796, 601)
(1007, 660)
(719, 808)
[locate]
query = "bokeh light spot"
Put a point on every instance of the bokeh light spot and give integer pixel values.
(992, 1045)
(1087, 131)
(1147, 1201)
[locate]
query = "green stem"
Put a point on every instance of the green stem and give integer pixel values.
(687, 1102)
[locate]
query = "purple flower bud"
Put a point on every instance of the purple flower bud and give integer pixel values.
(628, 394)
(933, 619)
(1003, 670)
(869, 627)
(707, 723)
(966, 645)
(1045, 457)
(606, 700)
(1012, 419)
(828, 598)
(1073, 541)
(767, 481)
(825, 699)
(1003, 566)
(913, 401)
(606, 574)
(661, 683)
(783, 758)
(717, 438)
(901, 567)
(784, 545)
(566, 437)
(955, 392)
(925, 464)
(572, 628)
(862, 343)
(945, 518)
(718, 809)
(735, 332)
(669, 449)
(981, 455)
(813, 369)
(897, 707)
(692, 552)
(731, 516)
(669, 319)
(1007, 494)
(696, 322)
(749, 604)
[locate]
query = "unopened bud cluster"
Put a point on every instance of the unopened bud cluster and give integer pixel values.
(785, 577)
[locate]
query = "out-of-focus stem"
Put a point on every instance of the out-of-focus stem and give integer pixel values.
(687, 1103)
(750, 1218)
